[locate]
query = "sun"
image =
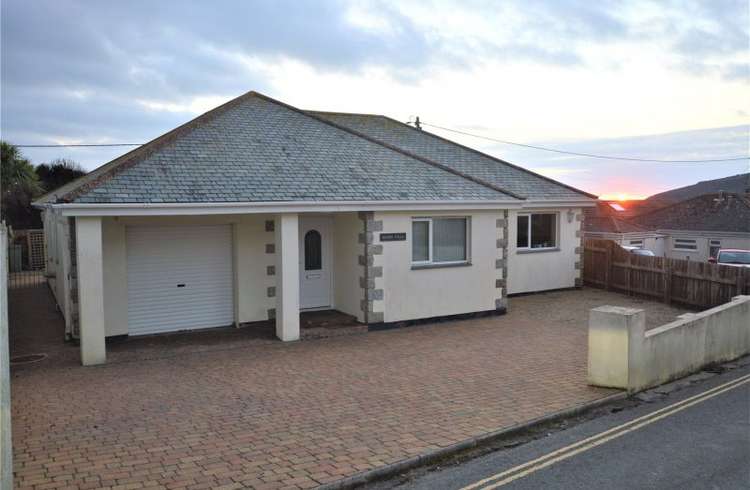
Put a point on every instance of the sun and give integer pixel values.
(621, 196)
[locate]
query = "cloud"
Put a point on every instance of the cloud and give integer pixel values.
(113, 71)
(637, 178)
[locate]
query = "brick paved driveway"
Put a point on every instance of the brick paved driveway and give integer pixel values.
(237, 409)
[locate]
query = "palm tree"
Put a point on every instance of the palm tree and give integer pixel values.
(18, 182)
(16, 172)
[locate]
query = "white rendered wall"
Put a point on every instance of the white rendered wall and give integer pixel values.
(346, 268)
(115, 269)
(544, 270)
(57, 236)
(287, 277)
(423, 293)
(623, 354)
(702, 244)
(89, 260)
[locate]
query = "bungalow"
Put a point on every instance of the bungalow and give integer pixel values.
(604, 222)
(257, 210)
(697, 228)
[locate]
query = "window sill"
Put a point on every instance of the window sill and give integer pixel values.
(537, 250)
(415, 267)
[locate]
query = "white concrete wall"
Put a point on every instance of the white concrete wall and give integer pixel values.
(90, 265)
(702, 243)
(250, 267)
(423, 293)
(287, 277)
(114, 255)
(347, 293)
(655, 244)
(56, 237)
(543, 270)
(623, 354)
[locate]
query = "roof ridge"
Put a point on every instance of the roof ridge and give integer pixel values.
(105, 172)
(339, 113)
(393, 148)
(500, 160)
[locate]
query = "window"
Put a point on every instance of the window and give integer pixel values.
(537, 231)
(713, 248)
(741, 257)
(313, 251)
(684, 244)
(439, 240)
(636, 243)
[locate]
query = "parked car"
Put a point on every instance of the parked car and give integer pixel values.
(732, 256)
(639, 251)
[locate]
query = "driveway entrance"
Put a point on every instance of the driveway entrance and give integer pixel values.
(202, 411)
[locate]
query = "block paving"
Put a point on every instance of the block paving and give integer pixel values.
(234, 408)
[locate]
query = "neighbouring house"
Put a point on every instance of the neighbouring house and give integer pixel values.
(695, 229)
(257, 210)
(604, 222)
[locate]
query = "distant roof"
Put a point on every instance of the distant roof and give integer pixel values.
(464, 159)
(736, 184)
(603, 219)
(726, 212)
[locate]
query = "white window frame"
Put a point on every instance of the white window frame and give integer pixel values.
(528, 247)
(636, 243)
(428, 220)
(688, 244)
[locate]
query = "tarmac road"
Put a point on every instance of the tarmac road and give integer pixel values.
(697, 437)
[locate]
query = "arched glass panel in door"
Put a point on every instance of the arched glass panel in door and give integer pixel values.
(313, 251)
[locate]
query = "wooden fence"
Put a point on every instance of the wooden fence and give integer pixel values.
(696, 284)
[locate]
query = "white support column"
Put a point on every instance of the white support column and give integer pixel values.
(90, 290)
(287, 277)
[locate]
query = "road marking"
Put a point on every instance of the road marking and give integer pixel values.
(591, 442)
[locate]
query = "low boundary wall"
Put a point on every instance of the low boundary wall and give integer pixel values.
(623, 354)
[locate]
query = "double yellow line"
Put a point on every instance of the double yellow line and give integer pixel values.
(571, 450)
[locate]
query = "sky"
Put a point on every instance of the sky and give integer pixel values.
(641, 79)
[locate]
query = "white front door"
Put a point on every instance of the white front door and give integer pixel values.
(315, 259)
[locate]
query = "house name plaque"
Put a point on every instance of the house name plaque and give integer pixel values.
(392, 237)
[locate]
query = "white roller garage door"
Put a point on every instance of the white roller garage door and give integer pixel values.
(179, 278)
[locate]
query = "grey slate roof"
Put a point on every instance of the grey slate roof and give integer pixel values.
(603, 219)
(510, 177)
(256, 149)
(709, 212)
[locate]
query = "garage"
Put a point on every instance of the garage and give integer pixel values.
(179, 278)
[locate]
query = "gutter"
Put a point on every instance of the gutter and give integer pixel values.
(182, 209)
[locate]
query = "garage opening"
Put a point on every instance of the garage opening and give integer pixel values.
(179, 278)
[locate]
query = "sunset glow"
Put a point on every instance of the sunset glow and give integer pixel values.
(621, 196)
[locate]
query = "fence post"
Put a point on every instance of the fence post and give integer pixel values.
(667, 281)
(740, 280)
(630, 274)
(607, 264)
